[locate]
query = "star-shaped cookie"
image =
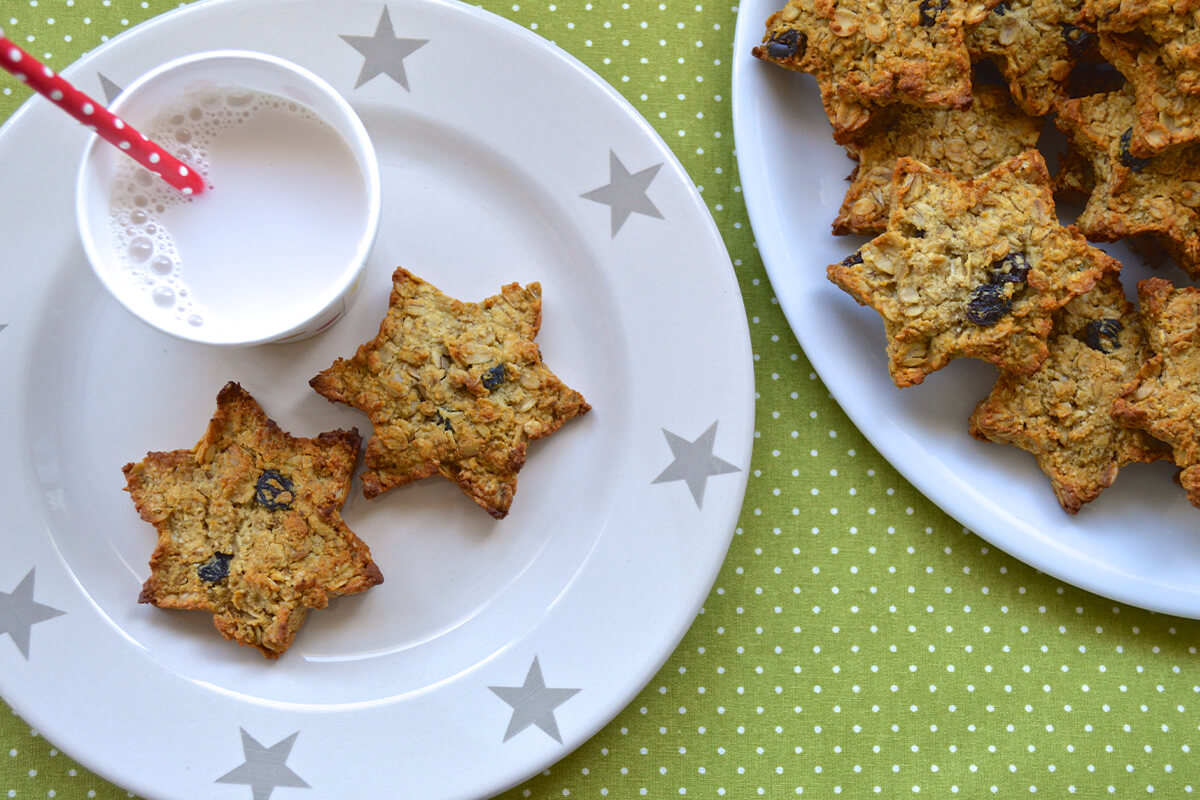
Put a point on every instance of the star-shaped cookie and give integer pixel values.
(249, 524)
(453, 388)
(1034, 43)
(970, 268)
(1062, 413)
(867, 54)
(1163, 399)
(1156, 46)
(967, 143)
(1133, 196)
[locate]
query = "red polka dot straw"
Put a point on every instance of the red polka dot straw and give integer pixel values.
(96, 117)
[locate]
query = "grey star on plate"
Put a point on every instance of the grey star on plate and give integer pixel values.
(625, 192)
(533, 703)
(19, 612)
(384, 52)
(264, 767)
(111, 90)
(694, 462)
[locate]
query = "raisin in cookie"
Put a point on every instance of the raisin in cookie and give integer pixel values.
(249, 524)
(453, 388)
(970, 268)
(1034, 43)
(1062, 413)
(1133, 196)
(966, 143)
(866, 54)
(1163, 399)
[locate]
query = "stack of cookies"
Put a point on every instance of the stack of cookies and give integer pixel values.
(941, 103)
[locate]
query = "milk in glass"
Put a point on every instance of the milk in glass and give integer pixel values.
(280, 219)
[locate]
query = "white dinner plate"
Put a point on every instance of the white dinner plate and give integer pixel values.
(494, 647)
(1139, 542)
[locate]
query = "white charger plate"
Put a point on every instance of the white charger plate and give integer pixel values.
(489, 138)
(1136, 543)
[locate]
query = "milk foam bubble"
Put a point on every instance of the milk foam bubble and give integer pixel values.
(249, 249)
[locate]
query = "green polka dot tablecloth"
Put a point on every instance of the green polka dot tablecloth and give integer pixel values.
(881, 650)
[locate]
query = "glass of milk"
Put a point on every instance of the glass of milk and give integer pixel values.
(274, 248)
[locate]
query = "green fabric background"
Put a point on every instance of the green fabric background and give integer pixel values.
(857, 641)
